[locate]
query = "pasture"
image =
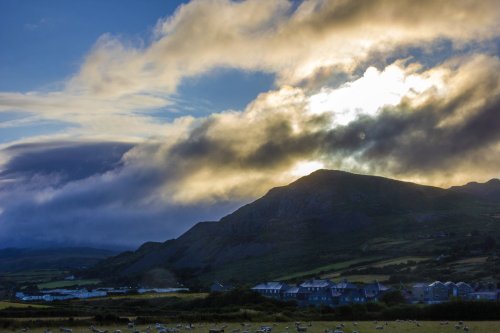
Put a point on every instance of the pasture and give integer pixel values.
(183, 296)
(6, 305)
(67, 283)
(313, 327)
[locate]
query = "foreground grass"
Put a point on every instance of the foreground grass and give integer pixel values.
(313, 327)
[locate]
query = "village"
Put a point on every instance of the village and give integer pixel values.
(312, 292)
(62, 294)
(319, 292)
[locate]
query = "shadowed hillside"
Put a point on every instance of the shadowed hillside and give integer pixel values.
(325, 218)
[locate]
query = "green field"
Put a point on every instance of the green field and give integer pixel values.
(67, 283)
(184, 296)
(362, 278)
(6, 305)
(314, 327)
(33, 276)
(329, 268)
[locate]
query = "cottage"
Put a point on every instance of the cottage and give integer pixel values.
(316, 285)
(439, 292)
(375, 290)
(352, 296)
(463, 290)
(421, 292)
(271, 289)
(344, 286)
(485, 296)
(296, 293)
(322, 297)
(452, 289)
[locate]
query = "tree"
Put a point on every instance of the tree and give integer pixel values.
(392, 298)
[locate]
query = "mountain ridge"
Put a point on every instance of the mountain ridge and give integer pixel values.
(324, 217)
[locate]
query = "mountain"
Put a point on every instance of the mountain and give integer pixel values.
(24, 259)
(488, 191)
(324, 219)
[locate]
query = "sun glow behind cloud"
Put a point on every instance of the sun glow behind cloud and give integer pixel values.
(304, 168)
(371, 92)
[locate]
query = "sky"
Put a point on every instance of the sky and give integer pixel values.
(126, 121)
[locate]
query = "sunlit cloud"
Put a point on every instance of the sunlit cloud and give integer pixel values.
(333, 105)
(373, 91)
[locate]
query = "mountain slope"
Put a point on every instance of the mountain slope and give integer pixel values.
(16, 259)
(323, 218)
(489, 191)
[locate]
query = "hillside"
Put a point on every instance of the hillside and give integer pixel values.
(489, 191)
(321, 222)
(16, 259)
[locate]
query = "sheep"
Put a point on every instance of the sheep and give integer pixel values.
(466, 328)
(215, 330)
(65, 330)
(379, 327)
(301, 329)
(237, 330)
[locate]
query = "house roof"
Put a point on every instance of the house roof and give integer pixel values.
(345, 285)
(270, 285)
(463, 284)
(450, 284)
(436, 284)
(420, 285)
(376, 286)
(316, 283)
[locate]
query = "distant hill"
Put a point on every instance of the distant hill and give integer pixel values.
(488, 191)
(23, 259)
(325, 219)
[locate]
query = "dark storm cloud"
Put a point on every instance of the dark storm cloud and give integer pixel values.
(107, 204)
(67, 161)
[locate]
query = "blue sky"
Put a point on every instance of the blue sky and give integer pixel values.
(44, 42)
(117, 113)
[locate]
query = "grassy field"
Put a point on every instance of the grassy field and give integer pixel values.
(67, 283)
(363, 278)
(5, 305)
(314, 327)
(328, 268)
(33, 276)
(184, 296)
(397, 261)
